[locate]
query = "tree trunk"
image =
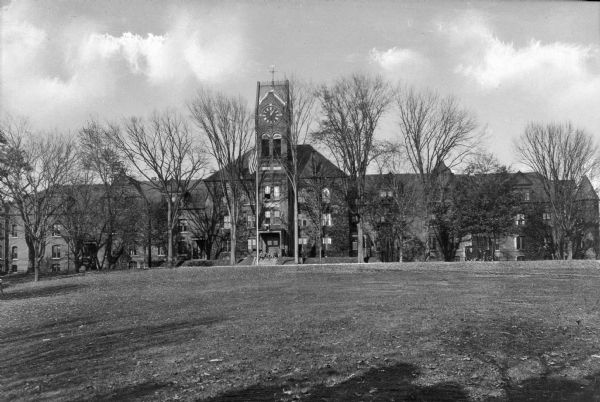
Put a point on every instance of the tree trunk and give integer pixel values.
(169, 235)
(233, 241)
(149, 238)
(569, 249)
(359, 229)
(295, 227)
(401, 251)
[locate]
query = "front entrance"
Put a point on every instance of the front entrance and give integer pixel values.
(271, 241)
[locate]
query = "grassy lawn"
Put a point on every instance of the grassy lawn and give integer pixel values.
(458, 331)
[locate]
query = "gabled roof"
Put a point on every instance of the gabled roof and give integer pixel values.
(312, 163)
(248, 159)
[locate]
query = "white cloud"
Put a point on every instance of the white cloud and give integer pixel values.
(491, 62)
(504, 63)
(395, 58)
(73, 71)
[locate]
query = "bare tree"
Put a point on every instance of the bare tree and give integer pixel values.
(164, 152)
(227, 125)
(33, 175)
(435, 134)
(564, 157)
(80, 215)
(114, 198)
(352, 107)
(303, 115)
(392, 204)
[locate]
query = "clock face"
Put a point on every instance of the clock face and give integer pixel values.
(270, 113)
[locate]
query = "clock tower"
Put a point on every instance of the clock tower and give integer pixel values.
(272, 124)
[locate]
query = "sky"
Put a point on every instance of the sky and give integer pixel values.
(509, 63)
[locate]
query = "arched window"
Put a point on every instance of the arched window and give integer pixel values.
(277, 145)
(264, 146)
(56, 251)
(326, 195)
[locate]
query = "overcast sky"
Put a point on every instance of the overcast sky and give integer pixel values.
(509, 62)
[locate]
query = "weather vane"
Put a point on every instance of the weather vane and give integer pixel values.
(272, 71)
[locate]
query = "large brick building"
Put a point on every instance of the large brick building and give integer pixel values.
(325, 224)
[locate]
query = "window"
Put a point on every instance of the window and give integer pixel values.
(250, 221)
(267, 191)
(326, 240)
(519, 242)
(326, 219)
(526, 195)
(264, 146)
(520, 220)
(267, 217)
(326, 195)
(14, 254)
(277, 145)
(382, 219)
(432, 243)
(546, 217)
(13, 231)
(161, 251)
(386, 193)
(183, 225)
(354, 245)
(276, 192)
(182, 247)
(251, 244)
(13, 268)
(277, 214)
(227, 222)
(55, 267)
(273, 242)
(133, 251)
(303, 222)
(303, 240)
(55, 251)
(55, 230)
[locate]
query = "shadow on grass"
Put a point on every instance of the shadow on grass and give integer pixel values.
(75, 358)
(503, 343)
(556, 389)
(382, 383)
(131, 392)
(45, 291)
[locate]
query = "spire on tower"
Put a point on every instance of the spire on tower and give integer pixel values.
(272, 71)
